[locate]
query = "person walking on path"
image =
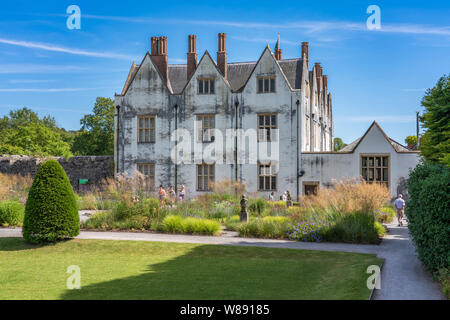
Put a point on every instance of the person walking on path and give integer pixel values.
(399, 205)
(172, 196)
(161, 195)
(182, 193)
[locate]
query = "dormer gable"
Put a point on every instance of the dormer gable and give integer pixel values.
(146, 76)
(267, 66)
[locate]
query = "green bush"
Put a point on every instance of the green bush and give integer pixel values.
(11, 213)
(387, 214)
(354, 227)
(178, 224)
(265, 228)
(51, 211)
(257, 206)
(428, 212)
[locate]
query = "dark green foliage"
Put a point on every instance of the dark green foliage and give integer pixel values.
(51, 211)
(435, 143)
(428, 212)
(96, 137)
(354, 227)
(24, 133)
(11, 213)
(257, 206)
(411, 141)
(338, 144)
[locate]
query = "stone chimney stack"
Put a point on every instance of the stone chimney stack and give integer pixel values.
(305, 51)
(318, 75)
(278, 54)
(159, 56)
(191, 56)
(222, 54)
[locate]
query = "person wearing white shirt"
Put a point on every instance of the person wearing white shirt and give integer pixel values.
(399, 205)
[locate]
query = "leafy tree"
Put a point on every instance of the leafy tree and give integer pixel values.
(338, 144)
(411, 141)
(435, 142)
(97, 130)
(24, 133)
(51, 211)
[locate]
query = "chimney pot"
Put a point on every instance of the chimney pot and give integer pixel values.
(305, 51)
(278, 54)
(159, 56)
(222, 54)
(191, 56)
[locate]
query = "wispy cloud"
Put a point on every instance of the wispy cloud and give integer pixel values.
(30, 81)
(38, 68)
(264, 40)
(386, 119)
(59, 109)
(309, 26)
(56, 48)
(46, 89)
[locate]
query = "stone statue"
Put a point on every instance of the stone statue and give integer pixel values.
(244, 211)
(289, 202)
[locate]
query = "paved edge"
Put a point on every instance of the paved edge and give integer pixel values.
(214, 240)
(381, 269)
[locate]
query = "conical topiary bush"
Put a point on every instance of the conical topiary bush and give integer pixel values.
(51, 211)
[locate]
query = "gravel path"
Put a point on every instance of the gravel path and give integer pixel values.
(402, 277)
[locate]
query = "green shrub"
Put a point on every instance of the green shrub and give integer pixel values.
(354, 227)
(87, 202)
(51, 211)
(178, 224)
(11, 213)
(428, 212)
(257, 206)
(232, 222)
(387, 214)
(265, 228)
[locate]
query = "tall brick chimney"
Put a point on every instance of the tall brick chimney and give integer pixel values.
(159, 56)
(191, 55)
(278, 54)
(222, 54)
(318, 75)
(305, 51)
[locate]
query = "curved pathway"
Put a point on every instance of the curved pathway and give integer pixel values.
(402, 275)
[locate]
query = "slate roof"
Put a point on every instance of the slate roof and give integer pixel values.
(397, 146)
(238, 74)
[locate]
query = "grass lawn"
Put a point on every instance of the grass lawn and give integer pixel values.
(159, 270)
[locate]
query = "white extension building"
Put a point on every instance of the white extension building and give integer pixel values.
(267, 123)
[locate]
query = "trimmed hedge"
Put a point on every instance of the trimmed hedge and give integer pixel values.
(178, 224)
(11, 213)
(428, 212)
(51, 211)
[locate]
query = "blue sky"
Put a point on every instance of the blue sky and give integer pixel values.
(373, 74)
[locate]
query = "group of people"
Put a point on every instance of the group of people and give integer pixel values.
(286, 197)
(171, 194)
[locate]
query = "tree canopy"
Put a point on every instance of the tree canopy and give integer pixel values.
(338, 144)
(24, 133)
(96, 136)
(435, 142)
(411, 141)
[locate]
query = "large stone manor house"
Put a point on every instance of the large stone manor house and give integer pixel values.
(285, 101)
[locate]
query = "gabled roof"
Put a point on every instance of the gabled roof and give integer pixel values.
(397, 146)
(135, 69)
(206, 54)
(238, 74)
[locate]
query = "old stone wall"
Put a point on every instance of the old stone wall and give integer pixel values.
(93, 168)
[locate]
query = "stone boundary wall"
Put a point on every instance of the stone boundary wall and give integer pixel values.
(93, 168)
